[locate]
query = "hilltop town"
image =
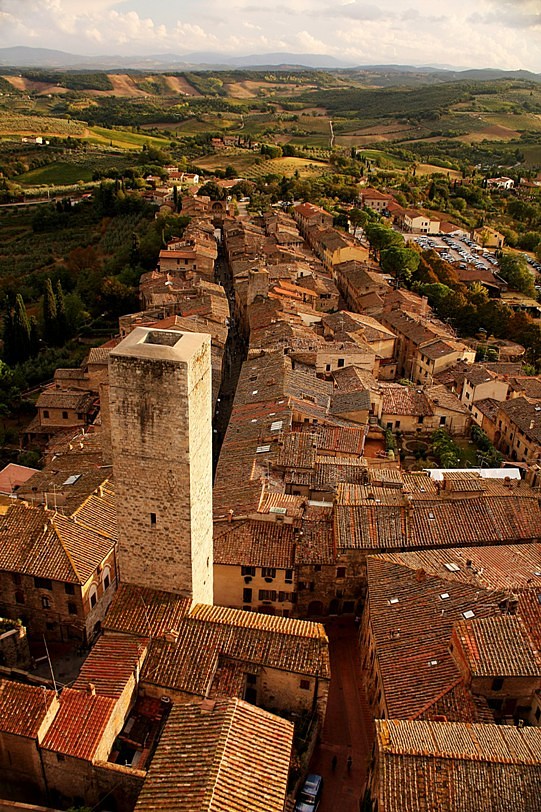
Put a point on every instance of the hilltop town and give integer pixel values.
(288, 518)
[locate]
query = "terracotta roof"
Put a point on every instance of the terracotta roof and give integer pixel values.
(338, 439)
(498, 647)
(404, 400)
(23, 708)
(255, 543)
(13, 476)
(217, 756)
(80, 724)
(525, 415)
(98, 512)
(510, 567)
(212, 632)
(64, 399)
(297, 451)
(444, 765)
(113, 660)
(443, 522)
(41, 543)
(416, 668)
(145, 612)
(316, 544)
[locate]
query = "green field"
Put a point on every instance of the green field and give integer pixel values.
(58, 173)
(125, 140)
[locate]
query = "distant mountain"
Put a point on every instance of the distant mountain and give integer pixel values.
(24, 57)
(48, 59)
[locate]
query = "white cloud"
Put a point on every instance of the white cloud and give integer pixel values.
(501, 33)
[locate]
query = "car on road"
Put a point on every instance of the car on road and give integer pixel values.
(310, 794)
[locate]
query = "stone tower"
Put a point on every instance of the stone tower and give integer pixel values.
(161, 437)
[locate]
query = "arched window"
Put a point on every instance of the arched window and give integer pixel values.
(93, 595)
(106, 578)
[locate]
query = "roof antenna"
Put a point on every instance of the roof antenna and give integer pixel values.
(50, 665)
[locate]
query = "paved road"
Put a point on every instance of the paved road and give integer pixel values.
(348, 725)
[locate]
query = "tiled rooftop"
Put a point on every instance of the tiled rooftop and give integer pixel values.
(23, 708)
(212, 632)
(217, 756)
(412, 626)
(80, 724)
(255, 543)
(112, 661)
(498, 647)
(145, 612)
(37, 542)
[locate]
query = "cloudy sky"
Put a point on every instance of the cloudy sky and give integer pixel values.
(464, 33)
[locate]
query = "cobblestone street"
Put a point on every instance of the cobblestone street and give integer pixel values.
(348, 726)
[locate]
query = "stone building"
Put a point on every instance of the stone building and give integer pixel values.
(160, 407)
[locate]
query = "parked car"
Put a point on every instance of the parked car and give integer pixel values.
(310, 794)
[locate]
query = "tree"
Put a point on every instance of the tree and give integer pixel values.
(358, 219)
(212, 190)
(381, 237)
(514, 269)
(61, 319)
(400, 262)
(50, 324)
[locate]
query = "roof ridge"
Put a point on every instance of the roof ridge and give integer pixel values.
(63, 544)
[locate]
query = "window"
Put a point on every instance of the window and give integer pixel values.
(246, 595)
(268, 572)
(538, 714)
(397, 424)
(64, 415)
(43, 583)
(340, 572)
(304, 684)
(443, 420)
(251, 679)
(72, 608)
(19, 596)
(497, 684)
(106, 578)
(45, 602)
(341, 362)
(17, 580)
(247, 571)
(267, 594)
(93, 596)
(421, 419)
(46, 413)
(152, 519)
(317, 567)
(69, 589)
(289, 576)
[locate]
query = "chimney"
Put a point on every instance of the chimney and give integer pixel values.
(91, 689)
(532, 423)
(171, 636)
(207, 706)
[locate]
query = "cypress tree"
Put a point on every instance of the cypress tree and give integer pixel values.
(21, 330)
(61, 319)
(49, 313)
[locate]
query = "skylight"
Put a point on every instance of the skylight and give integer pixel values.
(71, 480)
(468, 614)
(262, 448)
(452, 567)
(444, 596)
(393, 600)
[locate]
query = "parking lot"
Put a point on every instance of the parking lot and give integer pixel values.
(461, 251)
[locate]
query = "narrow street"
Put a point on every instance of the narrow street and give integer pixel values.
(348, 729)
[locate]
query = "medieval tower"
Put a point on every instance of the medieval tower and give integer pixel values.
(161, 436)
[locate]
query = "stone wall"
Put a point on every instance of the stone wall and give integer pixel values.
(161, 433)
